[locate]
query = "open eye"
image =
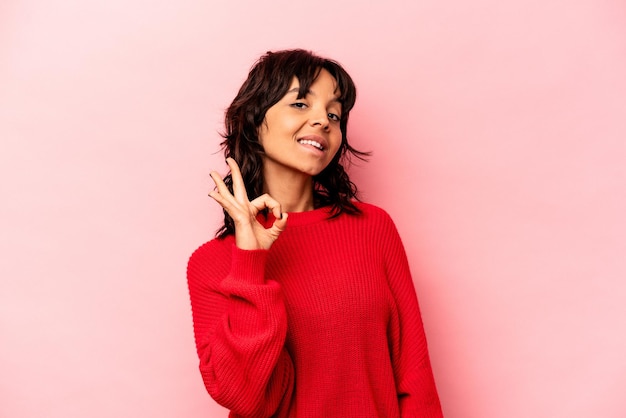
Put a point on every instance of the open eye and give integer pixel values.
(299, 105)
(334, 117)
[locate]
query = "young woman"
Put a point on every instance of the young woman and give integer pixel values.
(303, 305)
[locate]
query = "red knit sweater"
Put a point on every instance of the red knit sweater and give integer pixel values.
(324, 324)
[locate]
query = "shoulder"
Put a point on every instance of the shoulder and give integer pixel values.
(378, 221)
(369, 207)
(212, 254)
(374, 213)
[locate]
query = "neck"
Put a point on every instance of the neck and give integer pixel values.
(293, 190)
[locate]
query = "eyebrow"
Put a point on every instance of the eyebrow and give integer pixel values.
(297, 90)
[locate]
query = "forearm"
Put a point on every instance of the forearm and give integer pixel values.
(240, 327)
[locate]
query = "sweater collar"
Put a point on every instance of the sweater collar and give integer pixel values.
(299, 218)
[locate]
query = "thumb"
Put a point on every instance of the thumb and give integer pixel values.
(279, 225)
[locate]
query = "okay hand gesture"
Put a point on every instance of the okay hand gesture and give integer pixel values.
(249, 233)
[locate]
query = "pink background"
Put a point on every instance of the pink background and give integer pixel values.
(499, 138)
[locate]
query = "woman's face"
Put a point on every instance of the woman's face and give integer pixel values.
(303, 135)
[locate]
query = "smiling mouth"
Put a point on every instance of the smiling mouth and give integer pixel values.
(312, 143)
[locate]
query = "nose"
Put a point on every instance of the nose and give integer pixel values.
(319, 117)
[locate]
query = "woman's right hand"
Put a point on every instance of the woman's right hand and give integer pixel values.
(249, 233)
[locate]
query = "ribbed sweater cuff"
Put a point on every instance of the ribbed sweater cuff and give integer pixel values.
(248, 265)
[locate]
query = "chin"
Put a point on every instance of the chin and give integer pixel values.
(314, 171)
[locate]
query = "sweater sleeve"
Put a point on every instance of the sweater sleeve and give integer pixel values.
(415, 384)
(240, 326)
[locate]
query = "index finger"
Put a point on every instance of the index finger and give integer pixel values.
(239, 188)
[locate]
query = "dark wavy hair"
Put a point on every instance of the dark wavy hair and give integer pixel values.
(267, 83)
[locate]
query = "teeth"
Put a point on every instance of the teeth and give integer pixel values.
(313, 143)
